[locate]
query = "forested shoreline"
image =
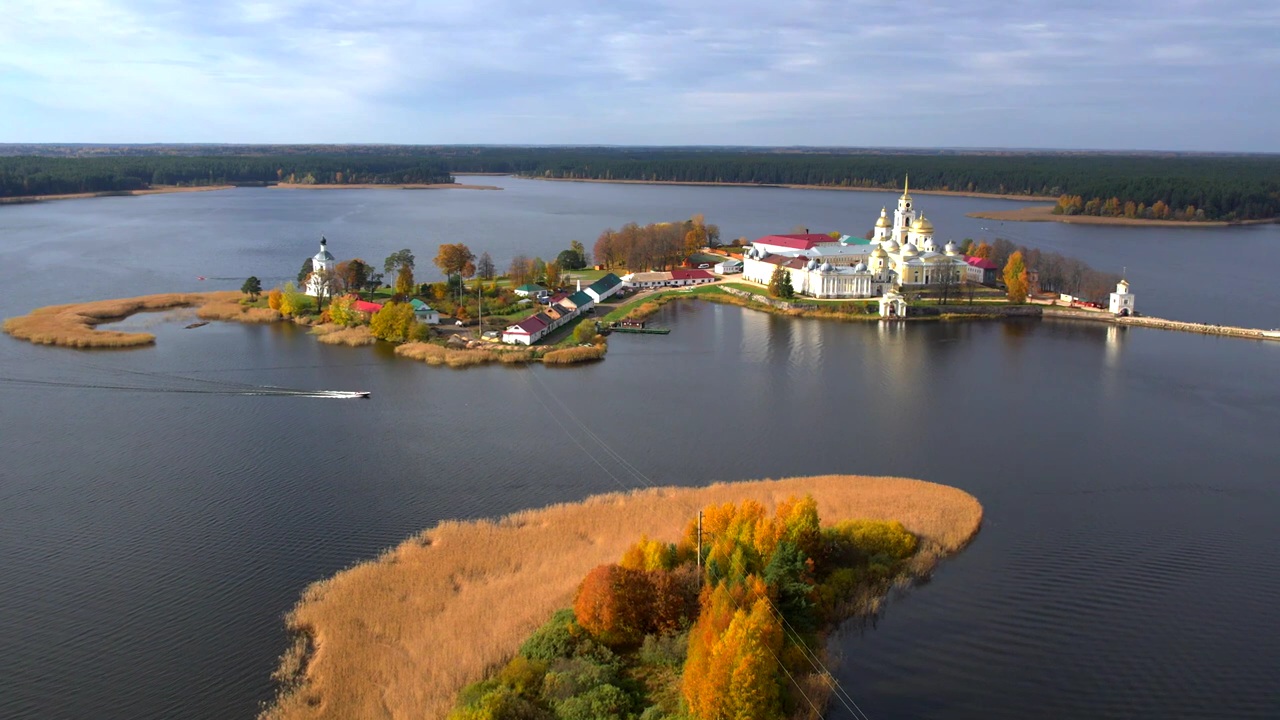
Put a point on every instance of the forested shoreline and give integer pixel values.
(24, 176)
(1225, 188)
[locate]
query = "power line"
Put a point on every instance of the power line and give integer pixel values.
(815, 663)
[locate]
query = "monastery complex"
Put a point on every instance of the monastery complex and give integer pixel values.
(900, 253)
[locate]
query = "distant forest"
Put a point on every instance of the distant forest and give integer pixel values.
(1212, 187)
(27, 175)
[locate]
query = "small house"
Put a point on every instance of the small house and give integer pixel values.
(424, 313)
(728, 267)
(686, 278)
(526, 332)
(981, 271)
(366, 307)
(604, 287)
(531, 290)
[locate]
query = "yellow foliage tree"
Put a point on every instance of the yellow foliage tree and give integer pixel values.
(292, 302)
(393, 323)
(274, 297)
(342, 310)
(1015, 278)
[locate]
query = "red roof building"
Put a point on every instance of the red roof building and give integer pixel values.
(800, 241)
(366, 307)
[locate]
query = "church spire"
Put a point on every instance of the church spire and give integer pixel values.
(906, 184)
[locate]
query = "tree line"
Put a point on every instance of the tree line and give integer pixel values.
(26, 176)
(1215, 187)
(656, 245)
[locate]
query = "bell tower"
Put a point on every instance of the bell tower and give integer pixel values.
(905, 213)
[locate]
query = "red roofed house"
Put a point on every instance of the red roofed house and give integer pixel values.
(682, 278)
(981, 271)
(526, 332)
(366, 307)
(791, 243)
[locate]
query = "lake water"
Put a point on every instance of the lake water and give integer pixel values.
(155, 525)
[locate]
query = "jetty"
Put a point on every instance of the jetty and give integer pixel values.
(638, 327)
(1162, 324)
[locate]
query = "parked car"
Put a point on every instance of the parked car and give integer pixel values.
(704, 266)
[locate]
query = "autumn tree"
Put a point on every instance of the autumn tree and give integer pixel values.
(352, 275)
(292, 301)
(274, 298)
(252, 287)
(983, 250)
(342, 310)
(404, 281)
(1015, 278)
(553, 275)
(520, 270)
(452, 257)
(539, 270)
(323, 282)
(394, 322)
(396, 260)
(780, 283)
(615, 605)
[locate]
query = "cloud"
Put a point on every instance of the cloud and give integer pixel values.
(812, 72)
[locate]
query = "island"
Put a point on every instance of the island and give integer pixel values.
(402, 634)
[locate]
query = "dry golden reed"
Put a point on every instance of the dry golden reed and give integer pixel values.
(74, 325)
(456, 357)
(399, 636)
(338, 335)
(570, 356)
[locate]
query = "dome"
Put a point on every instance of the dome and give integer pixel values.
(922, 225)
(930, 245)
(811, 265)
(860, 267)
(761, 253)
(909, 249)
(883, 220)
(826, 267)
(951, 248)
(890, 246)
(878, 252)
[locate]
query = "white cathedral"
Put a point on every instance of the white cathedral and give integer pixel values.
(901, 253)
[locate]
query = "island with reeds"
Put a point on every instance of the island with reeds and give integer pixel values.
(593, 609)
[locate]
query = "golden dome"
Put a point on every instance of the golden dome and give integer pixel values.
(922, 225)
(878, 252)
(882, 221)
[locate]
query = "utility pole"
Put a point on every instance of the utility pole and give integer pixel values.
(700, 573)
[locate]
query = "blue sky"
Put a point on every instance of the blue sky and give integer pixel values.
(1112, 75)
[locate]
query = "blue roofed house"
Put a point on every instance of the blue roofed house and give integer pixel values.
(424, 313)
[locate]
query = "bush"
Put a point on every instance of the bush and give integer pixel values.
(558, 638)
(665, 650)
(605, 702)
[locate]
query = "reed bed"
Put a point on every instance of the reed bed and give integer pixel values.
(573, 355)
(433, 354)
(74, 325)
(332, 334)
(231, 310)
(400, 635)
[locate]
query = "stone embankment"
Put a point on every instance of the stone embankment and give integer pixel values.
(1160, 323)
(765, 300)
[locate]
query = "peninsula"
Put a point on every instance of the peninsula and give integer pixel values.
(403, 633)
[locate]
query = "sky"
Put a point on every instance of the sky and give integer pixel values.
(1127, 74)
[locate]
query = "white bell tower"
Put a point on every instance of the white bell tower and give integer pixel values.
(1122, 300)
(904, 215)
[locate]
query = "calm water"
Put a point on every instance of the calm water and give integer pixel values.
(153, 529)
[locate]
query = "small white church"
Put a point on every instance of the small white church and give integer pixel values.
(318, 281)
(1122, 300)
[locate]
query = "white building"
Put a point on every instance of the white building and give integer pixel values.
(901, 252)
(1122, 299)
(320, 281)
(728, 267)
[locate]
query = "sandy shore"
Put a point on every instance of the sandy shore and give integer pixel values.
(113, 193)
(399, 636)
(1044, 213)
(914, 191)
(377, 186)
(75, 325)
